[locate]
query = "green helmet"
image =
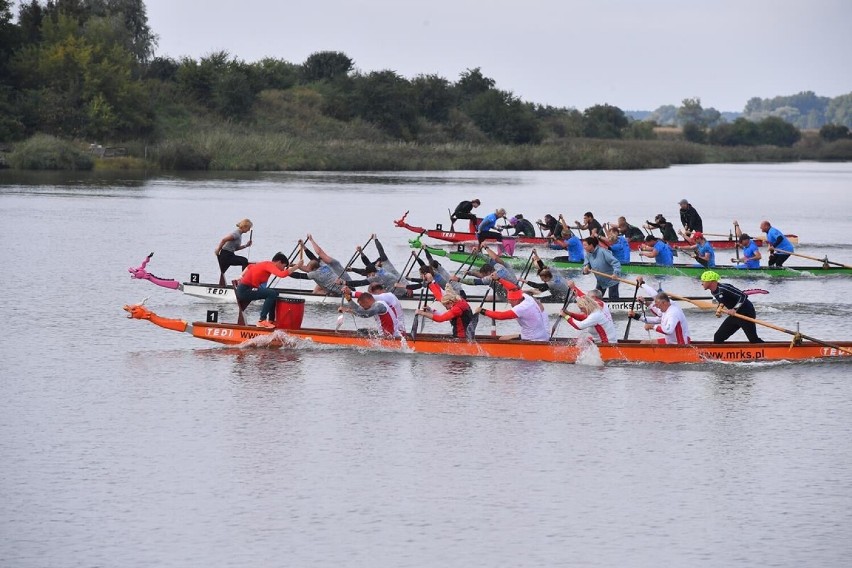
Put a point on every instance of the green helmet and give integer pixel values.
(709, 276)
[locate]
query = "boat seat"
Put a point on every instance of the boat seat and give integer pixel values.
(241, 305)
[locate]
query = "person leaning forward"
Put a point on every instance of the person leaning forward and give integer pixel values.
(732, 301)
(527, 310)
(250, 286)
(458, 311)
(464, 210)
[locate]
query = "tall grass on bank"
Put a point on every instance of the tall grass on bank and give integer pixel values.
(220, 149)
(227, 147)
(45, 152)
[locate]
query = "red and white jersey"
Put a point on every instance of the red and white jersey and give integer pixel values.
(532, 319)
(386, 317)
(396, 307)
(671, 323)
(600, 323)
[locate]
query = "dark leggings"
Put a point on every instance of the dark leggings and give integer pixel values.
(457, 216)
(777, 259)
(488, 235)
(228, 259)
(613, 291)
(732, 324)
(268, 295)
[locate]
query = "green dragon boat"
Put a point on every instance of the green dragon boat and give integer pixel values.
(650, 269)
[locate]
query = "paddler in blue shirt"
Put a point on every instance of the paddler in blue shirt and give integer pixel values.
(600, 259)
(488, 224)
(659, 250)
(778, 244)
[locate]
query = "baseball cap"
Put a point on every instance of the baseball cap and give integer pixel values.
(697, 235)
(683, 202)
(515, 295)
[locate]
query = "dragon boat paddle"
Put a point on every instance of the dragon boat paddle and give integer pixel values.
(420, 303)
(795, 334)
(632, 309)
(289, 259)
(703, 304)
(474, 320)
(352, 260)
(825, 262)
(567, 301)
(494, 308)
(729, 236)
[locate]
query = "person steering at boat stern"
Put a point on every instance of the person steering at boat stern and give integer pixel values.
(230, 244)
(731, 301)
(249, 286)
(527, 310)
(778, 244)
(601, 260)
(464, 210)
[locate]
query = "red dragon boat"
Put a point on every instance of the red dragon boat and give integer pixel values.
(451, 236)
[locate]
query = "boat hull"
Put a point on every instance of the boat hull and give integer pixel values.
(558, 351)
(462, 237)
(225, 294)
(651, 269)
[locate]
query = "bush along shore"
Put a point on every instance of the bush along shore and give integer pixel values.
(222, 150)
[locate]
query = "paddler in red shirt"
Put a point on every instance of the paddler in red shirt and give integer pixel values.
(250, 287)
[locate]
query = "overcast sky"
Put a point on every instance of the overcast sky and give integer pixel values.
(634, 54)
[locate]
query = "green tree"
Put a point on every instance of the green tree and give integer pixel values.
(777, 132)
(198, 78)
(665, 115)
(691, 112)
(162, 68)
(387, 100)
(560, 122)
(741, 132)
(839, 110)
(640, 130)
(434, 96)
(504, 118)
(692, 132)
(275, 74)
(473, 83)
(326, 66)
(834, 132)
(78, 82)
(604, 121)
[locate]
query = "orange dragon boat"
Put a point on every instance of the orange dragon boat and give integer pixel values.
(560, 350)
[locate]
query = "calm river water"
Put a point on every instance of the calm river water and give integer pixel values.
(122, 444)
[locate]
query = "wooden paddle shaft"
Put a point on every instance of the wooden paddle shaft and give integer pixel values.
(703, 304)
(825, 260)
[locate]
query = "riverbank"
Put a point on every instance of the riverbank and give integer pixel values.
(225, 150)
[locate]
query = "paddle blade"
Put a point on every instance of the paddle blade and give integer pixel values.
(752, 291)
(414, 326)
(339, 322)
(471, 326)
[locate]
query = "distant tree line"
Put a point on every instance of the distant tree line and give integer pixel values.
(86, 69)
(803, 110)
